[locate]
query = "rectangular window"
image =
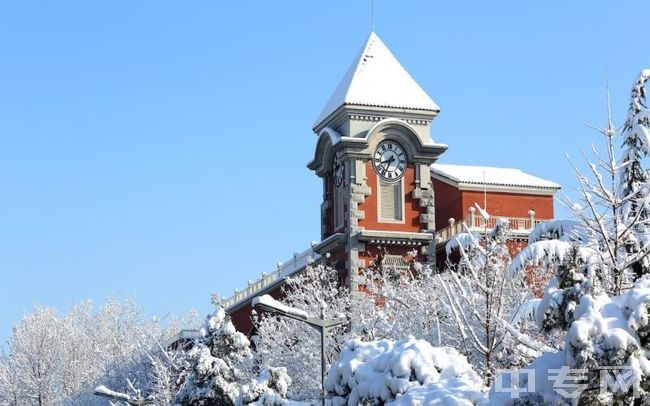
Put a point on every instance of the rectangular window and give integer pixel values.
(391, 201)
(338, 208)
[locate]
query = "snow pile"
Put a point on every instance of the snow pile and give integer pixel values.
(270, 388)
(600, 334)
(541, 385)
(404, 372)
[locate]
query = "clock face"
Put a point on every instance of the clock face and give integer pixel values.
(389, 161)
(339, 171)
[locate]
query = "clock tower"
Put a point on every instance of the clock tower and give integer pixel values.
(373, 154)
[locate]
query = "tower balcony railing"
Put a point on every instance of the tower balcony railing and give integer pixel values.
(283, 270)
(519, 226)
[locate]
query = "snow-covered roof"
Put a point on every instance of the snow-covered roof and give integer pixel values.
(490, 176)
(377, 79)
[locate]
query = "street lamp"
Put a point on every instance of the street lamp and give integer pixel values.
(268, 304)
(107, 393)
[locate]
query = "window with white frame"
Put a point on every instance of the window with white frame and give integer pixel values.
(391, 201)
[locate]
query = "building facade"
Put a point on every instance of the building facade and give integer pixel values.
(384, 197)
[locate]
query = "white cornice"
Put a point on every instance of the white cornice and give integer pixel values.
(515, 189)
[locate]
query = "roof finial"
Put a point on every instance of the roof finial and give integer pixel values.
(372, 15)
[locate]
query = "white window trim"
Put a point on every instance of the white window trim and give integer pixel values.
(403, 204)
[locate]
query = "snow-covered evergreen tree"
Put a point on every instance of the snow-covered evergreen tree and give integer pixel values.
(218, 363)
(611, 227)
(634, 185)
(220, 370)
(600, 295)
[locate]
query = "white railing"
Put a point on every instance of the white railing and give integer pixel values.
(284, 269)
(476, 223)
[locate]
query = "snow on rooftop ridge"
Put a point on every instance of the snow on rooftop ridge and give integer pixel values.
(377, 79)
(491, 176)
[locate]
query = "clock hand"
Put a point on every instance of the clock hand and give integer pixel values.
(389, 161)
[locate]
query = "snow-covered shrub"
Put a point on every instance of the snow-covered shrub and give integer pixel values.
(605, 332)
(221, 370)
(563, 293)
(404, 372)
(269, 389)
(542, 391)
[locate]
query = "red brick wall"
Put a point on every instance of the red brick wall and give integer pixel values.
(448, 203)
(451, 202)
(411, 206)
(509, 204)
(241, 318)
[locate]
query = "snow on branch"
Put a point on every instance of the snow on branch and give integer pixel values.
(462, 242)
(541, 252)
(564, 230)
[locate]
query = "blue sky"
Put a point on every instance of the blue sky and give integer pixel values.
(157, 149)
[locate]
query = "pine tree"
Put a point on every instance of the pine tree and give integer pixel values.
(218, 363)
(634, 181)
(221, 370)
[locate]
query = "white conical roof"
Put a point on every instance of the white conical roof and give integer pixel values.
(377, 79)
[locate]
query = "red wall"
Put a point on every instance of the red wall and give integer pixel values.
(241, 318)
(447, 203)
(451, 202)
(411, 206)
(510, 204)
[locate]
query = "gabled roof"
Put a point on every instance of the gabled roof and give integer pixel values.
(377, 79)
(471, 176)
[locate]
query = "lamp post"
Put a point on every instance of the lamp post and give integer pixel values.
(268, 304)
(123, 397)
